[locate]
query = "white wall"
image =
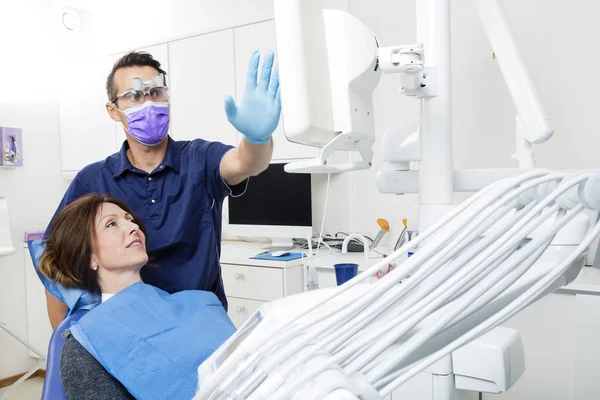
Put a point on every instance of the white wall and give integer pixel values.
(124, 25)
(483, 114)
(28, 100)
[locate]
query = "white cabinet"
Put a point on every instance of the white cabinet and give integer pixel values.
(86, 130)
(241, 309)
(201, 74)
(38, 323)
(560, 335)
(261, 37)
(326, 278)
(587, 351)
(251, 283)
(257, 283)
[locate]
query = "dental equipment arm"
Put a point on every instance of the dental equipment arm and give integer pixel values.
(536, 125)
(330, 64)
(485, 261)
(429, 141)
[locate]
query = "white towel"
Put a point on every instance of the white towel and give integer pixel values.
(6, 243)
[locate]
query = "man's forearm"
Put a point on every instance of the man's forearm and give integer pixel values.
(254, 158)
(246, 160)
(56, 310)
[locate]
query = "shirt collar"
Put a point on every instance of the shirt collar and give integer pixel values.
(172, 158)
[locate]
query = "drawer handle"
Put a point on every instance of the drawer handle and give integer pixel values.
(239, 309)
(238, 276)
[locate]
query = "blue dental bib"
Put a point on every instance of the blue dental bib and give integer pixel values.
(153, 341)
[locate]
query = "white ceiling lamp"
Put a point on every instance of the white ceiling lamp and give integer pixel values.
(70, 20)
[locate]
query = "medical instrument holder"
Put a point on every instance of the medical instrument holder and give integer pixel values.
(418, 80)
(320, 164)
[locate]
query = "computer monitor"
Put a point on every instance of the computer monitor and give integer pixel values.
(276, 205)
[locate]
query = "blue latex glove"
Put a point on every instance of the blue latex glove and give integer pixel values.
(258, 115)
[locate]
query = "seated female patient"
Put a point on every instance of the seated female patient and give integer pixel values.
(140, 341)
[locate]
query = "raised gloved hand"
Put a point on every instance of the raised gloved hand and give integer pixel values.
(258, 114)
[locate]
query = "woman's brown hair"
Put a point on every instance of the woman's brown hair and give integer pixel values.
(69, 247)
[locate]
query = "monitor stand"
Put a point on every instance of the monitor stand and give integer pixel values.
(281, 244)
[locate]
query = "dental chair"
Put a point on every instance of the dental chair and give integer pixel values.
(53, 388)
(75, 299)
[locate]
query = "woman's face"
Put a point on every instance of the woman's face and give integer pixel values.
(120, 244)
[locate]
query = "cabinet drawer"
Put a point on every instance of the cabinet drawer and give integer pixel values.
(255, 283)
(241, 309)
(326, 278)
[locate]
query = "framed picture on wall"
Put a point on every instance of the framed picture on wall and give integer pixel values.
(11, 140)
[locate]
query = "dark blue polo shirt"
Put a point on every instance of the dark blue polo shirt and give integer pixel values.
(180, 203)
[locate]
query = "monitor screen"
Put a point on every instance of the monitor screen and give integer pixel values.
(274, 198)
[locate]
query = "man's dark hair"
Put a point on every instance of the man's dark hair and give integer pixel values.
(133, 59)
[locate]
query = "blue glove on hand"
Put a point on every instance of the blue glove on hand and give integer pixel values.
(258, 115)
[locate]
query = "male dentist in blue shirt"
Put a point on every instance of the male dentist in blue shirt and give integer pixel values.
(178, 187)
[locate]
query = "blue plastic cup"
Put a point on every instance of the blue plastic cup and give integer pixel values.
(345, 272)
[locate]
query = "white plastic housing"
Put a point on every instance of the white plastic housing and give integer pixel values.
(327, 67)
(492, 363)
(401, 143)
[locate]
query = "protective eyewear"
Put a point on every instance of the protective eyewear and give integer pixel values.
(155, 89)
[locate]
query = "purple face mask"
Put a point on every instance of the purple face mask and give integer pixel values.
(148, 123)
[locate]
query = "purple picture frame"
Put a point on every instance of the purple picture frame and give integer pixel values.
(11, 153)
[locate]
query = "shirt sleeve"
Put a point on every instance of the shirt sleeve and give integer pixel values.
(212, 153)
(76, 190)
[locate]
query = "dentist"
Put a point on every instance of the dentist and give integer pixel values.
(178, 187)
